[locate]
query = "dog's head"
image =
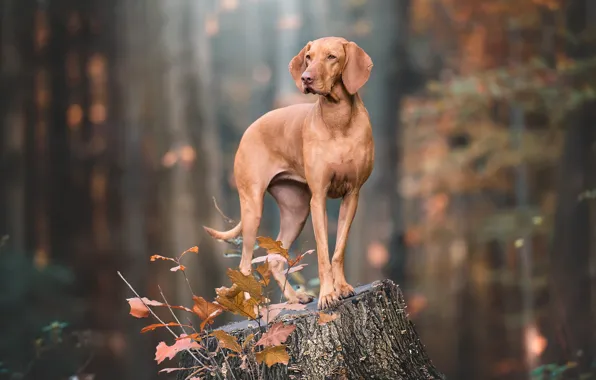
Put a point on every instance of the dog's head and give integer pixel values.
(322, 63)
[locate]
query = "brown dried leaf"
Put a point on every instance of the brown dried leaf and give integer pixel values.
(179, 267)
(238, 305)
(226, 341)
(277, 334)
(273, 246)
(206, 310)
(265, 272)
(247, 284)
(273, 355)
(324, 318)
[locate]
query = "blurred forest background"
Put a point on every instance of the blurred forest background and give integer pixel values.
(120, 120)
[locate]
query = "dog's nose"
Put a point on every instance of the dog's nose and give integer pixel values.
(307, 78)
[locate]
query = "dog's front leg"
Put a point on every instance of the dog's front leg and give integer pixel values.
(347, 210)
(327, 295)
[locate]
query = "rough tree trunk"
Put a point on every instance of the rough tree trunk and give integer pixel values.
(372, 339)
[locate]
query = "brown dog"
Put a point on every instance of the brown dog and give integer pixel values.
(303, 154)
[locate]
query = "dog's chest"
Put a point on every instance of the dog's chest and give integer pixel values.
(348, 164)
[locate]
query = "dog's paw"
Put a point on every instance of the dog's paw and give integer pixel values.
(344, 290)
(304, 298)
(328, 300)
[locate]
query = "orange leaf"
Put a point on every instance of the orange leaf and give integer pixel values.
(206, 310)
(194, 249)
(179, 267)
(138, 308)
(264, 271)
(273, 355)
(273, 246)
(247, 284)
(238, 305)
(157, 325)
(164, 351)
(324, 318)
(277, 334)
(226, 341)
(158, 257)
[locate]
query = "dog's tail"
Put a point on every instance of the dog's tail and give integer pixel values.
(225, 235)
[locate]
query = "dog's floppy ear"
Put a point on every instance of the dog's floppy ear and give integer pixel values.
(298, 65)
(357, 67)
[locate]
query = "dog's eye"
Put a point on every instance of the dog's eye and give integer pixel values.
(331, 57)
(308, 57)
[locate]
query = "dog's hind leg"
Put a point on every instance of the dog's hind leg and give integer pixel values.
(293, 200)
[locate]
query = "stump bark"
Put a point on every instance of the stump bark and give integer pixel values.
(372, 339)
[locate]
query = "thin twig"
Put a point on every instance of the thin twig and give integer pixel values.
(171, 311)
(187, 282)
(87, 362)
(228, 220)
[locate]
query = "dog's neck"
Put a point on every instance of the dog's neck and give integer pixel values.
(338, 107)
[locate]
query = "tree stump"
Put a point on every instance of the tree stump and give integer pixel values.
(371, 339)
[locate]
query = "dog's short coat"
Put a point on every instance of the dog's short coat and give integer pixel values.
(303, 154)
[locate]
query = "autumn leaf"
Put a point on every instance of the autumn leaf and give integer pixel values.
(297, 268)
(158, 257)
(206, 310)
(138, 308)
(245, 283)
(164, 351)
(264, 271)
(324, 318)
(271, 258)
(194, 249)
(272, 246)
(226, 341)
(238, 305)
(277, 334)
(158, 325)
(247, 340)
(273, 355)
(298, 259)
(179, 267)
(227, 292)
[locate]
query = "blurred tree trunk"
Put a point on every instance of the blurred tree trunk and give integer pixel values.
(134, 23)
(573, 229)
(381, 208)
(192, 138)
(16, 38)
